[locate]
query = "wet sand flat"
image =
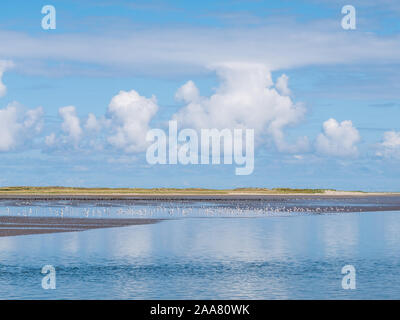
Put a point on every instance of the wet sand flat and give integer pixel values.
(16, 225)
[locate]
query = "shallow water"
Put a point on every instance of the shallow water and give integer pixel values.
(208, 256)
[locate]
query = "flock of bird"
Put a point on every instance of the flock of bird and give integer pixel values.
(173, 209)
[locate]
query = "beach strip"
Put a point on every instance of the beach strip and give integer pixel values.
(20, 225)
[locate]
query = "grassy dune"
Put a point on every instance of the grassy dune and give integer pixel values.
(105, 191)
(154, 191)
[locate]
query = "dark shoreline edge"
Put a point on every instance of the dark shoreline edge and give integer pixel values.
(19, 225)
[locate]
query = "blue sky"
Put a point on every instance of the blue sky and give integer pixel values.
(100, 48)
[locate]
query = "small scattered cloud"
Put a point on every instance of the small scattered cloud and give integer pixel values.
(50, 140)
(71, 124)
(124, 159)
(4, 65)
(92, 124)
(188, 92)
(282, 85)
(17, 125)
(338, 139)
(80, 168)
(390, 146)
(384, 105)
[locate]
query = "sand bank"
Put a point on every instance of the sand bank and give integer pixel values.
(14, 226)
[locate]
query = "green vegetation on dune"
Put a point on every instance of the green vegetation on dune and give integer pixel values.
(111, 191)
(252, 190)
(290, 190)
(152, 191)
(280, 190)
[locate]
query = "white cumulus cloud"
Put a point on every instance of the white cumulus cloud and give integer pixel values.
(245, 99)
(124, 126)
(129, 115)
(338, 139)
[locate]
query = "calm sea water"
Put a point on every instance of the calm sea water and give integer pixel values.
(209, 251)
